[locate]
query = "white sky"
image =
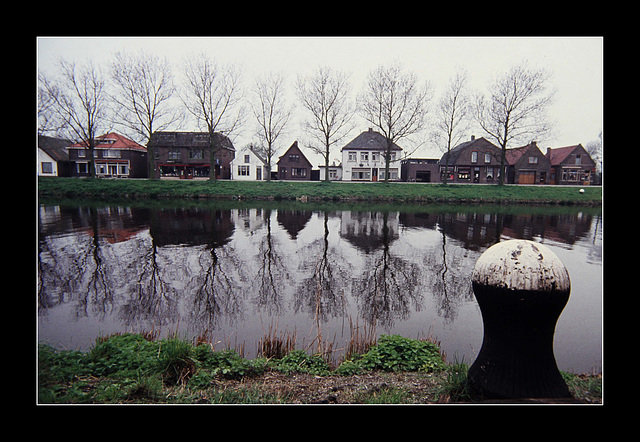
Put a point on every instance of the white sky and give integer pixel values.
(576, 63)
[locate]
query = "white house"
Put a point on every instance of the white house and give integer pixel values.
(248, 166)
(335, 172)
(363, 158)
(53, 157)
(47, 166)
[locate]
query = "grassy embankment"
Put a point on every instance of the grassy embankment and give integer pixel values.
(135, 368)
(316, 191)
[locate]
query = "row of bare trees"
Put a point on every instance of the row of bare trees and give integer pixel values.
(80, 102)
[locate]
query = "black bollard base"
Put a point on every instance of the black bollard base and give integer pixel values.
(516, 359)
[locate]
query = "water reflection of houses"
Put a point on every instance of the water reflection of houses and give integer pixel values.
(293, 221)
(565, 228)
(191, 226)
(369, 231)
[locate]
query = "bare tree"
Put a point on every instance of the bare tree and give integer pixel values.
(516, 108)
(79, 98)
(144, 88)
(212, 95)
(452, 118)
(325, 95)
(396, 104)
(271, 112)
(48, 119)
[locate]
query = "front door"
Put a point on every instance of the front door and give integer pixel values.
(374, 175)
(258, 173)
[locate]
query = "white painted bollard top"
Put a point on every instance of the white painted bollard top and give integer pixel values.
(520, 264)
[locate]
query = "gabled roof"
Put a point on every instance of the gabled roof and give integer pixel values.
(513, 155)
(295, 147)
(455, 152)
(369, 140)
(253, 151)
(54, 147)
(557, 155)
(112, 140)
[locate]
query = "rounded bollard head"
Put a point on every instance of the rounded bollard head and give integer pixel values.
(521, 265)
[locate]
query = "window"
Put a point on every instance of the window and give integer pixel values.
(474, 156)
(364, 156)
(111, 153)
(487, 158)
(243, 170)
(82, 168)
(393, 174)
(294, 157)
(393, 156)
(195, 154)
(578, 159)
(247, 159)
(101, 169)
(374, 156)
(361, 174)
(353, 156)
(464, 173)
(174, 154)
(489, 173)
(295, 171)
(82, 153)
(124, 169)
(533, 160)
(47, 167)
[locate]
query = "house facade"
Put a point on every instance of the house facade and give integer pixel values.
(527, 165)
(363, 158)
(422, 170)
(571, 165)
(114, 156)
(53, 158)
(188, 155)
(293, 165)
(474, 161)
(248, 165)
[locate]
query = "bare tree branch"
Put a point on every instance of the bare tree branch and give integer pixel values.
(395, 104)
(213, 96)
(325, 96)
(516, 108)
(271, 112)
(144, 89)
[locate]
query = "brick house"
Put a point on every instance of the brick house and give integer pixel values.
(424, 170)
(187, 155)
(293, 165)
(474, 161)
(115, 156)
(527, 165)
(571, 165)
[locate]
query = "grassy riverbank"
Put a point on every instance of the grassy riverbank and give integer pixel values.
(137, 369)
(104, 189)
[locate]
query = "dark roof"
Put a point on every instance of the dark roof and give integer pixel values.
(294, 147)
(189, 139)
(54, 147)
(370, 140)
(455, 152)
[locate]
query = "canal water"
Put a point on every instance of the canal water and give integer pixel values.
(233, 273)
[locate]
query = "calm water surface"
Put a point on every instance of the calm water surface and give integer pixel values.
(232, 273)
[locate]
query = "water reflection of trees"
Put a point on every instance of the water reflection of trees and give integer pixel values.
(153, 267)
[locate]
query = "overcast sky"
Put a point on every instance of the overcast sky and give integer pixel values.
(576, 64)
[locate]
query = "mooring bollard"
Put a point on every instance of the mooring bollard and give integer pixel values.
(521, 287)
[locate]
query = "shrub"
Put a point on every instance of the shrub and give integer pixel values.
(396, 353)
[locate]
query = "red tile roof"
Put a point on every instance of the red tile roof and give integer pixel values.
(557, 155)
(119, 142)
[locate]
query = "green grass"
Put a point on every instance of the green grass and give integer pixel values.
(136, 369)
(104, 189)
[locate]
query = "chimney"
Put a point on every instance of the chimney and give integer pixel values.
(473, 137)
(370, 129)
